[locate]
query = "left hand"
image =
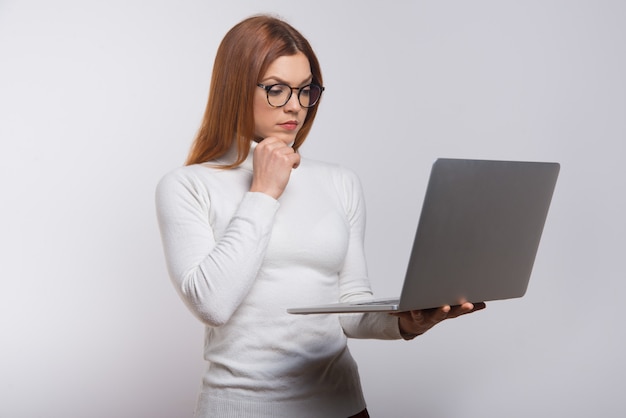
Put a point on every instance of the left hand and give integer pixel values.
(418, 322)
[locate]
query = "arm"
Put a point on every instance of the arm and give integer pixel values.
(212, 276)
(353, 279)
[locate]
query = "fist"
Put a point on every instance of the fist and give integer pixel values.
(272, 162)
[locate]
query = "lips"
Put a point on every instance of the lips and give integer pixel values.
(290, 125)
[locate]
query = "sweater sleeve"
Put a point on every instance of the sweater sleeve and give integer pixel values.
(211, 276)
(353, 279)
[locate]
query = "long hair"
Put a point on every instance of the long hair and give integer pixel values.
(242, 58)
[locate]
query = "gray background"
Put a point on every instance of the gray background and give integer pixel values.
(99, 99)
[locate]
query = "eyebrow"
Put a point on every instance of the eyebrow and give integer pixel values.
(308, 80)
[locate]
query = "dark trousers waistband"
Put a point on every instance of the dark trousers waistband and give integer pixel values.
(362, 414)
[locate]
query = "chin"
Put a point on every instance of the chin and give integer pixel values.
(287, 139)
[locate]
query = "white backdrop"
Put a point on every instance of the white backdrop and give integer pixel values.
(99, 99)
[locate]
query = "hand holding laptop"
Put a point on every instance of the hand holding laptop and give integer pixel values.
(414, 323)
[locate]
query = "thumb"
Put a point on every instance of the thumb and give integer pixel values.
(297, 163)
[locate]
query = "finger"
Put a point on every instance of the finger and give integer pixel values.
(271, 145)
(460, 309)
(429, 317)
(296, 164)
(275, 150)
(479, 306)
(287, 151)
(417, 316)
(466, 308)
(443, 312)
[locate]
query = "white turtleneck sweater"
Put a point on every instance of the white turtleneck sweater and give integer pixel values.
(239, 259)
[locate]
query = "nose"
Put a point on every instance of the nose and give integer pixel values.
(293, 104)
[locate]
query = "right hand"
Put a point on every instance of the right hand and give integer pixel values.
(272, 162)
(419, 321)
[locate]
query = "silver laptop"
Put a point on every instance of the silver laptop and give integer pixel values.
(476, 239)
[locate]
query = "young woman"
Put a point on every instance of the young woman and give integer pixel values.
(250, 228)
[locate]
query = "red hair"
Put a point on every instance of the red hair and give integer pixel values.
(242, 58)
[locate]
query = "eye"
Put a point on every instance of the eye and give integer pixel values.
(305, 91)
(277, 90)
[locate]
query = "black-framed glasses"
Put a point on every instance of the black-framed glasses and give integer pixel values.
(279, 94)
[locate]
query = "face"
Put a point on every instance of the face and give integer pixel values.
(282, 122)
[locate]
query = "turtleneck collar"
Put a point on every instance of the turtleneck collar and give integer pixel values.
(232, 154)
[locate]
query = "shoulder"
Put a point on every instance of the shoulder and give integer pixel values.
(201, 183)
(182, 177)
(188, 183)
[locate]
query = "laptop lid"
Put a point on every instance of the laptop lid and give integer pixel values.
(479, 231)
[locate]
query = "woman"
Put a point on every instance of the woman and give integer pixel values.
(250, 228)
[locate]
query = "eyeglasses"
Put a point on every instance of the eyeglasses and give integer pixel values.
(279, 94)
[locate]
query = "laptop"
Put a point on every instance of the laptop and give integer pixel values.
(477, 236)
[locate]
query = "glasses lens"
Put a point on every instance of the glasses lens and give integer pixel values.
(278, 95)
(309, 95)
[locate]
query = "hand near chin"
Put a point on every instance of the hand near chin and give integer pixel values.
(413, 323)
(273, 161)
